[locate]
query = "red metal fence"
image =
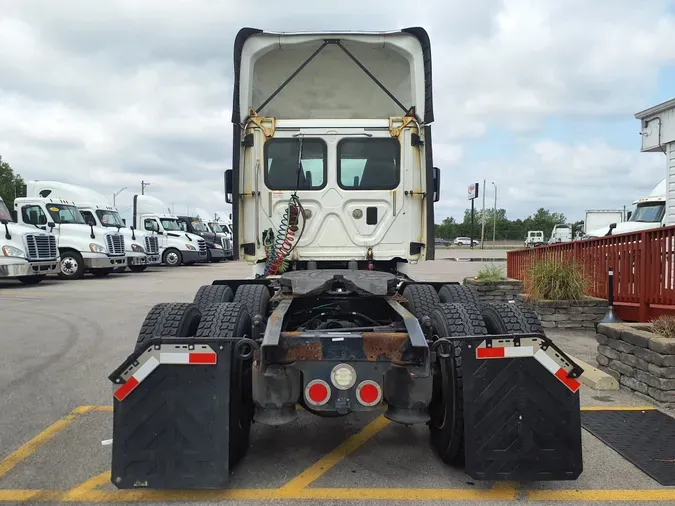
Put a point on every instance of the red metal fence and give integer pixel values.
(644, 273)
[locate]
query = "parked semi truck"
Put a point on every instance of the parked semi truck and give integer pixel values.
(141, 248)
(82, 247)
(224, 235)
(534, 238)
(194, 225)
(333, 199)
(561, 232)
(176, 247)
(649, 212)
(27, 253)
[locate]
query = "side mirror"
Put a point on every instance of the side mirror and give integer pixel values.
(4, 222)
(131, 227)
(228, 186)
(437, 184)
(51, 224)
(154, 226)
(628, 215)
(91, 222)
(612, 226)
(42, 220)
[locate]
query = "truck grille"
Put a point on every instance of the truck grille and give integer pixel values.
(151, 245)
(225, 243)
(41, 247)
(202, 245)
(115, 243)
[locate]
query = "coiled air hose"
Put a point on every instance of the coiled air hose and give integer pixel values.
(279, 247)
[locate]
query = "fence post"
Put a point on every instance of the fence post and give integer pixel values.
(642, 275)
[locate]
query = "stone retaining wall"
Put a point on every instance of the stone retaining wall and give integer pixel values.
(639, 359)
(581, 314)
(506, 289)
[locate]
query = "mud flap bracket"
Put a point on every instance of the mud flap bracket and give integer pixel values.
(171, 415)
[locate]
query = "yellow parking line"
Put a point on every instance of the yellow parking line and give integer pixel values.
(27, 449)
(617, 408)
(87, 486)
(325, 463)
(602, 495)
(406, 494)
(17, 496)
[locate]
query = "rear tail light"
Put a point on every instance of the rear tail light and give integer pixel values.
(317, 392)
(369, 393)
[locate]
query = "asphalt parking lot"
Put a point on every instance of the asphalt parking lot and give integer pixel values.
(61, 340)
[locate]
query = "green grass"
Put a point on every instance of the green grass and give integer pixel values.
(664, 325)
(491, 272)
(555, 280)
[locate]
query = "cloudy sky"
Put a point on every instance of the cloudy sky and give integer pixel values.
(537, 96)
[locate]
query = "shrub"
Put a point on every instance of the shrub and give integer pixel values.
(664, 325)
(553, 279)
(491, 272)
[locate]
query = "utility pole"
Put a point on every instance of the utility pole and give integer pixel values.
(143, 185)
(482, 230)
(494, 226)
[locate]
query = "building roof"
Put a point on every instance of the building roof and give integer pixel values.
(665, 106)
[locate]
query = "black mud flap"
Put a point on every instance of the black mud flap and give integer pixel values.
(171, 415)
(522, 419)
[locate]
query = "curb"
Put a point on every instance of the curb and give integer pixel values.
(594, 377)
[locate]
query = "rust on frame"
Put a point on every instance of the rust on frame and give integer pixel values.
(386, 345)
(299, 348)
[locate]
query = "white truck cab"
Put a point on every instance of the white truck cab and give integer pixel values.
(561, 232)
(224, 235)
(26, 252)
(141, 248)
(176, 247)
(82, 248)
(534, 238)
(649, 212)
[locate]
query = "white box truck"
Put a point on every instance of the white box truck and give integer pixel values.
(141, 247)
(599, 218)
(649, 212)
(176, 247)
(27, 253)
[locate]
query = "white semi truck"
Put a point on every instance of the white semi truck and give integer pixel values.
(27, 253)
(333, 196)
(176, 247)
(141, 247)
(561, 232)
(82, 247)
(649, 212)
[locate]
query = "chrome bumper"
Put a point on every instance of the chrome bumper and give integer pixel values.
(101, 261)
(19, 267)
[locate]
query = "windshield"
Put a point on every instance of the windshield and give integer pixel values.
(216, 228)
(649, 212)
(170, 224)
(4, 213)
(64, 213)
(109, 218)
(200, 226)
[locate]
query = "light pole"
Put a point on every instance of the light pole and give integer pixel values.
(116, 194)
(482, 219)
(143, 185)
(494, 218)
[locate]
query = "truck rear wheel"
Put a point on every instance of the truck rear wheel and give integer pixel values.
(231, 319)
(169, 319)
(213, 294)
(459, 293)
(255, 298)
(447, 405)
(422, 299)
(510, 318)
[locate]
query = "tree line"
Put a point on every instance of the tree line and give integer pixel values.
(505, 229)
(10, 184)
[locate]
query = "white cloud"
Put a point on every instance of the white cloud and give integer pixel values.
(108, 93)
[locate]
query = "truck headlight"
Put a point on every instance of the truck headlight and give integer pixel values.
(11, 251)
(190, 247)
(97, 248)
(137, 248)
(217, 246)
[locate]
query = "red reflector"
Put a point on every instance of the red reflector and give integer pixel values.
(317, 393)
(126, 389)
(489, 352)
(369, 393)
(571, 383)
(202, 358)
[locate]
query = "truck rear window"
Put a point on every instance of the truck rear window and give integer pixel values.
(281, 164)
(368, 164)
